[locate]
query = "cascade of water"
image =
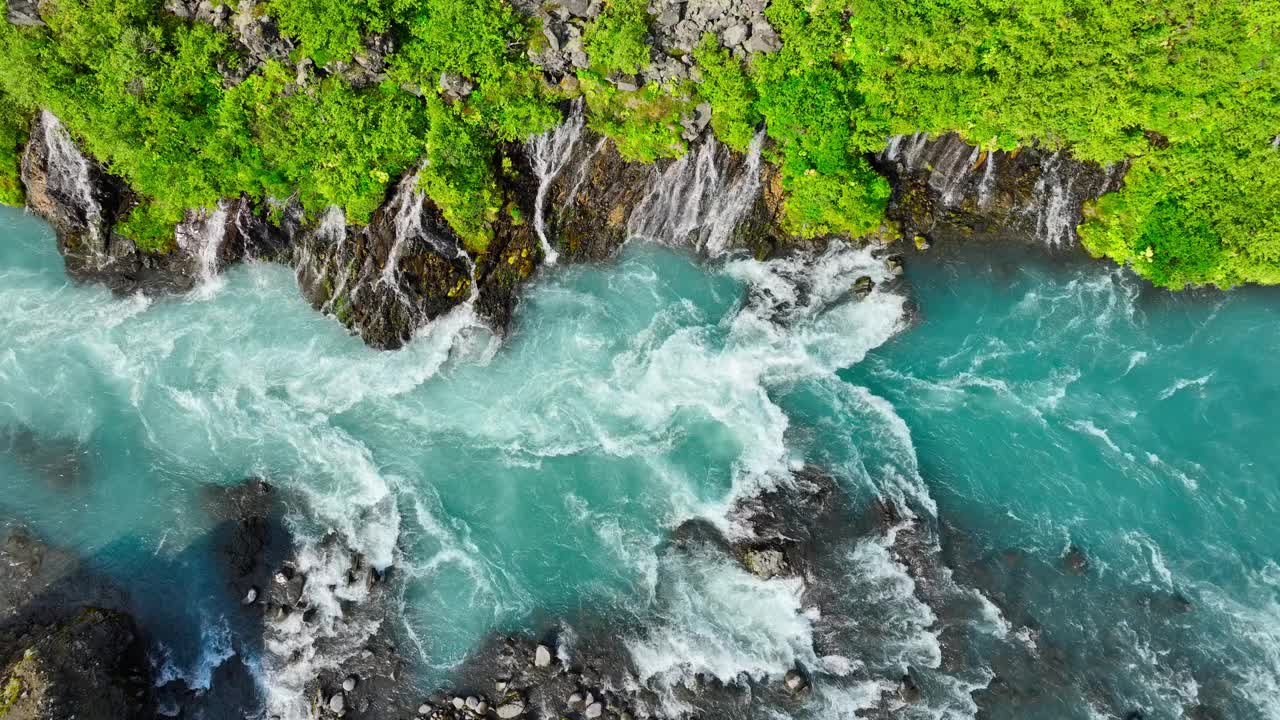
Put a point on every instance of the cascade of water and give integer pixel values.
(550, 152)
(694, 201)
(201, 236)
(987, 186)
(1054, 220)
(68, 175)
(949, 174)
(333, 232)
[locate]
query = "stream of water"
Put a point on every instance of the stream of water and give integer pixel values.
(1030, 404)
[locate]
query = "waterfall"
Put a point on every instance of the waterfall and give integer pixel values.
(68, 174)
(694, 200)
(201, 235)
(987, 186)
(949, 174)
(550, 152)
(1055, 221)
(333, 232)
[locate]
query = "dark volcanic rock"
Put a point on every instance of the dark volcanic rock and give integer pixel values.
(65, 655)
(945, 188)
(82, 203)
(90, 668)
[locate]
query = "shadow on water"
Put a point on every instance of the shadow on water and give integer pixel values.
(197, 611)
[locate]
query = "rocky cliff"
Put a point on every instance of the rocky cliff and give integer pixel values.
(571, 196)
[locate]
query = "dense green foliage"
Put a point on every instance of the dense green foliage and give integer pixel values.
(1096, 79)
(810, 100)
(13, 132)
(643, 123)
(329, 30)
(1187, 92)
(725, 85)
(615, 41)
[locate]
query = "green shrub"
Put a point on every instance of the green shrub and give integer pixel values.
(459, 174)
(13, 134)
(329, 30)
(732, 95)
(643, 123)
(615, 41)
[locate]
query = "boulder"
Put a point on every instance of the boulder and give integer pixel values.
(510, 710)
(735, 35)
(24, 12)
(91, 668)
(542, 656)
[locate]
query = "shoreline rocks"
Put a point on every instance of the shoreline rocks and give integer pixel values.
(385, 280)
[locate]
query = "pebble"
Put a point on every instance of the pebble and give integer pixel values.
(250, 596)
(350, 683)
(424, 709)
(337, 703)
(459, 703)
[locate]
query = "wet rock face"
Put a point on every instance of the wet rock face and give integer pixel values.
(408, 267)
(945, 188)
(82, 203)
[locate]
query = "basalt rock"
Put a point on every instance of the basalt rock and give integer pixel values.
(24, 12)
(90, 668)
(67, 648)
(944, 188)
(83, 203)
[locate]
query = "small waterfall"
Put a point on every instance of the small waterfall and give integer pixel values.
(409, 207)
(949, 175)
(550, 152)
(693, 201)
(68, 174)
(584, 165)
(332, 231)
(201, 236)
(987, 186)
(1055, 218)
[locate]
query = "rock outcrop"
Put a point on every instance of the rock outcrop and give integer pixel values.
(83, 204)
(407, 267)
(64, 653)
(944, 188)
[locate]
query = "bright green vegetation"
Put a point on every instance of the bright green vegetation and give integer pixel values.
(725, 85)
(1095, 79)
(329, 30)
(1188, 92)
(13, 132)
(643, 123)
(810, 100)
(615, 41)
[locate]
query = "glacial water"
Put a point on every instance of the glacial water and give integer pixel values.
(1023, 403)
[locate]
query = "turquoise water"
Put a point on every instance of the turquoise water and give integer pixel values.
(1031, 404)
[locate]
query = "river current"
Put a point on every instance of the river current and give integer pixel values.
(1025, 404)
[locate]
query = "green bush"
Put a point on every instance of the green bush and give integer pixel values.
(459, 174)
(643, 123)
(13, 134)
(329, 30)
(732, 95)
(615, 41)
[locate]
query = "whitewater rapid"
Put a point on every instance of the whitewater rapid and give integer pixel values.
(539, 478)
